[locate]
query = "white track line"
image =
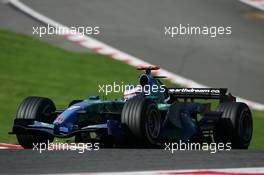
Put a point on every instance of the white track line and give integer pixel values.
(232, 171)
(116, 54)
(9, 146)
(259, 4)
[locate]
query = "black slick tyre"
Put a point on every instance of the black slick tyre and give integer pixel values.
(143, 120)
(38, 109)
(235, 126)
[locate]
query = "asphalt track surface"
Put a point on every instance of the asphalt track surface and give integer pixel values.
(116, 160)
(13, 20)
(137, 27)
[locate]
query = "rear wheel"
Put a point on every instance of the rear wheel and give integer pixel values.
(235, 125)
(142, 119)
(39, 109)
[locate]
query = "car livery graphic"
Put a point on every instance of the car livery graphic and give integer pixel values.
(139, 118)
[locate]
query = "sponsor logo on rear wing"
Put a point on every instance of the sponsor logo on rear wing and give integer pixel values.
(205, 93)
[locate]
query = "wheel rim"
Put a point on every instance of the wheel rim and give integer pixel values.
(245, 126)
(46, 113)
(152, 124)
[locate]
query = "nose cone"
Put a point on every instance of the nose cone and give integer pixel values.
(66, 120)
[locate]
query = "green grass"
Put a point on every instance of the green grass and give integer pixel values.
(258, 133)
(29, 67)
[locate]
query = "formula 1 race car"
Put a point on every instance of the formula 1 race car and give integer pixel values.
(148, 115)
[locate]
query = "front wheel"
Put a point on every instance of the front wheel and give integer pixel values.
(38, 109)
(142, 118)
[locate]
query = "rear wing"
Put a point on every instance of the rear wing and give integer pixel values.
(202, 93)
